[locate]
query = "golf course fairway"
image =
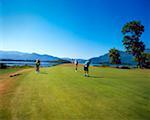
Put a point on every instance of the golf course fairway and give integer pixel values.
(60, 93)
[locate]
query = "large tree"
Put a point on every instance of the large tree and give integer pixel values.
(114, 56)
(132, 32)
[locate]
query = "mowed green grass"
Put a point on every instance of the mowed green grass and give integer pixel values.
(59, 93)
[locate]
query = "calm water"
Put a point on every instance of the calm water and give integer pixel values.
(23, 63)
(44, 64)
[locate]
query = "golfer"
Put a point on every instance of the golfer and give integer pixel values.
(86, 68)
(76, 65)
(37, 65)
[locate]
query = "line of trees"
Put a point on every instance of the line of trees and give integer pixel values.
(3, 66)
(132, 32)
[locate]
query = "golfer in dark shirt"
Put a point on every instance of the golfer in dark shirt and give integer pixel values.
(86, 68)
(37, 64)
(76, 65)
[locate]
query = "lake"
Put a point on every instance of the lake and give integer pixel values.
(28, 63)
(46, 64)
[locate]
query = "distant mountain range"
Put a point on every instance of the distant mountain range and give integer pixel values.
(147, 50)
(126, 58)
(14, 55)
(72, 60)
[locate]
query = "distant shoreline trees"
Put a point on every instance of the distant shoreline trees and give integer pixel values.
(3, 66)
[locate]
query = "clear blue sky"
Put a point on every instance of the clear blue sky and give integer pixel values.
(69, 28)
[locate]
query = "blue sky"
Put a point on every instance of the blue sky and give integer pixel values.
(69, 28)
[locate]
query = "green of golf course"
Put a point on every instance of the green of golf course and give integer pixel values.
(60, 93)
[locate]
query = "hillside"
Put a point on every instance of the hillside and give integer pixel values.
(126, 58)
(14, 55)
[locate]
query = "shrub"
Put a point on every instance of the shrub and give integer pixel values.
(105, 65)
(123, 67)
(3, 66)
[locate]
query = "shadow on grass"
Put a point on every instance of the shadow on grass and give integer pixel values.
(43, 73)
(91, 76)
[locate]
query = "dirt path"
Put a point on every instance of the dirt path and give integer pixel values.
(7, 81)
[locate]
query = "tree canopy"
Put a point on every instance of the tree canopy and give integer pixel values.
(132, 32)
(114, 56)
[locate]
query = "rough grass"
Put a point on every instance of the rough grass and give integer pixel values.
(8, 70)
(59, 93)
